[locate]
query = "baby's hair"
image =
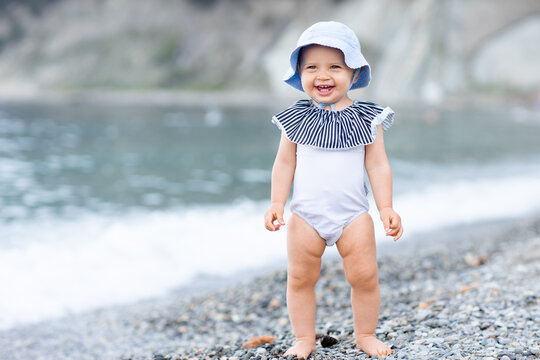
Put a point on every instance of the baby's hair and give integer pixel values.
(299, 62)
(301, 56)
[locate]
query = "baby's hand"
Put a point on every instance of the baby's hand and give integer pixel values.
(275, 212)
(392, 223)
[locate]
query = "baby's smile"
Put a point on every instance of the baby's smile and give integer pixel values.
(324, 90)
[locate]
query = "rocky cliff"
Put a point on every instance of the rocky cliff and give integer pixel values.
(418, 49)
(133, 44)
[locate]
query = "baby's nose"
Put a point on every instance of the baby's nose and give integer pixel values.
(323, 75)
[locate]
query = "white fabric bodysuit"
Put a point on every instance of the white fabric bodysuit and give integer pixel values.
(329, 190)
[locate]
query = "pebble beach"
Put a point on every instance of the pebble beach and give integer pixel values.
(466, 293)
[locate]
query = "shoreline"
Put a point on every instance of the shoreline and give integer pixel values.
(250, 98)
(437, 299)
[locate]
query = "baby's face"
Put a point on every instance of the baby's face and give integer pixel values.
(325, 76)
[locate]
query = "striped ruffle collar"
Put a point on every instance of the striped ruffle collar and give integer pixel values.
(306, 124)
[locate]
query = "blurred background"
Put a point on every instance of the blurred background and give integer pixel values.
(419, 49)
(136, 145)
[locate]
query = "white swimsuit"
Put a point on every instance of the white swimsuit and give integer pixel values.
(329, 189)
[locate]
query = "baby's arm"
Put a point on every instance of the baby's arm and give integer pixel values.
(282, 178)
(380, 178)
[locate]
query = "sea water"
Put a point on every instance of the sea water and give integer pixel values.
(103, 204)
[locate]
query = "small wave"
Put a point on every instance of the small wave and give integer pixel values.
(95, 261)
(52, 267)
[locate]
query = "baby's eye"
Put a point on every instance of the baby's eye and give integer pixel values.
(311, 67)
(335, 67)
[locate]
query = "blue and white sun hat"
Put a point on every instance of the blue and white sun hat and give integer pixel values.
(336, 35)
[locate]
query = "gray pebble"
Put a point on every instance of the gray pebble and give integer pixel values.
(422, 314)
(239, 353)
(427, 316)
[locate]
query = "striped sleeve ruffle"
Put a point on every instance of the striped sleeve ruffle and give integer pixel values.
(305, 124)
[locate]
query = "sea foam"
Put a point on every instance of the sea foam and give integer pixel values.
(70, 266)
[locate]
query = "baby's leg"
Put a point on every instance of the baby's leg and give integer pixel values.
(357, 248)
(304, 250)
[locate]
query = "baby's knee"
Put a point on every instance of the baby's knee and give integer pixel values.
(299, 279)
(364, 279)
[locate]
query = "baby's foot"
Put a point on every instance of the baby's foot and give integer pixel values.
(302, 348)
(369, 344)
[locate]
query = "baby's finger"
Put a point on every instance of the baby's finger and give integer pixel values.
(269, 227)
(395, 222)
(268, 222)
(398, 236)
(386, 224)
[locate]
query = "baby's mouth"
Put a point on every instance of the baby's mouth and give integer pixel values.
(324, 89)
